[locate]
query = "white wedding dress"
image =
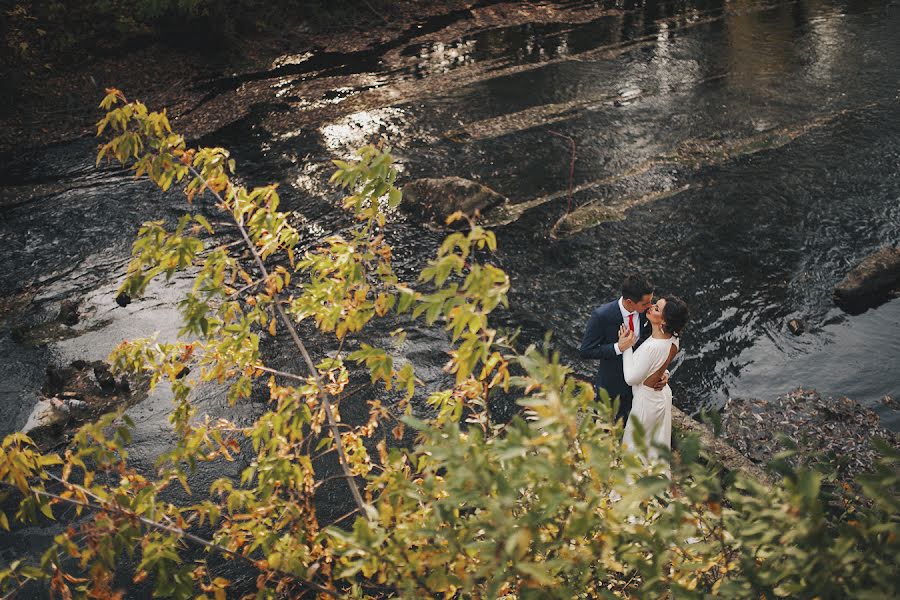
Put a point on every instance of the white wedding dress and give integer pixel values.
(653, 409)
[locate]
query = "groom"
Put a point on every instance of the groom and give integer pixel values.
(602, 334)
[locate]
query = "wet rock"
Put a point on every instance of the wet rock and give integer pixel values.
(871, 282)
(57, 379)
(104, 378)
(68, 313)
(74, 395)
(123, 299)
(797, 326)
(436, 199)
(45, 420)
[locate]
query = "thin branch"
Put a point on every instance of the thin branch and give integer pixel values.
(289, 324)
(245, 288)
(321, 454)
(280, 373)
(349, 514)
(356, 390)
(376, 13)
(222, 247)
(327, 479)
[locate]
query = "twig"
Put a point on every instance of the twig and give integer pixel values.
(377, 14)
(327, 479)
(280, 373)
(349, 514)
(245, 288)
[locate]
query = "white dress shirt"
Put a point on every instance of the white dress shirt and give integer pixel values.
(636, 320)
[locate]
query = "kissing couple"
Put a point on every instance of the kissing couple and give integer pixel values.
(635, 340)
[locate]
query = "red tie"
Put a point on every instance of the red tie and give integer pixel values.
(631, 322)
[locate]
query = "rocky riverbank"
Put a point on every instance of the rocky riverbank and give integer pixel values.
(837, 431)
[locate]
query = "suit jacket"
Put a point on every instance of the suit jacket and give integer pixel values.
(600, 336)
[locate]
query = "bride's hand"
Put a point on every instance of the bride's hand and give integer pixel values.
(626, 338)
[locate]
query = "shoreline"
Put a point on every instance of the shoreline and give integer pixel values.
(835, 433)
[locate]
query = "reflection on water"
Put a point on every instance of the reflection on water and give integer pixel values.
(811, 358)
(358, 129)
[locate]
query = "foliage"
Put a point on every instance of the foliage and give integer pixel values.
(543, 506)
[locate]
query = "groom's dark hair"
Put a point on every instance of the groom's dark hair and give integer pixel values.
(635, 287)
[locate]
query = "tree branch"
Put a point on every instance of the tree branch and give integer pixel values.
(289, 324)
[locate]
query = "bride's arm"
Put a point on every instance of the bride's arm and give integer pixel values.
(636, 366)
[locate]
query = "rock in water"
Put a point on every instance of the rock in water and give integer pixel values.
(104, 379)
(437, 199)
(871, 282)
(797, 326)
(68, 312)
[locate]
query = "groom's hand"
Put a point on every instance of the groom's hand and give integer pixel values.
(658, 380)
(663, 382)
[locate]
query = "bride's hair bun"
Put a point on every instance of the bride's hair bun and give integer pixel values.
(675, 315)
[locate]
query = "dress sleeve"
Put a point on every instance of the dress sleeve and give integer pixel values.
(638, 365)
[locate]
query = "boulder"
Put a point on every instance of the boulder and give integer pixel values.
(871, 282)
(436, 199)
(46, 417)
(68, 313)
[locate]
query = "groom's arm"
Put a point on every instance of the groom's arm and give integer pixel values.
(595, 344)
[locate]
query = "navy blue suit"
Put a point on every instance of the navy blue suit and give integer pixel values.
(600, 337)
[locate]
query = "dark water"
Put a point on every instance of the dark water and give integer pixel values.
(752, 147)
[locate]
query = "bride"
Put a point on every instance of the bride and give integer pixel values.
(644, 366)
